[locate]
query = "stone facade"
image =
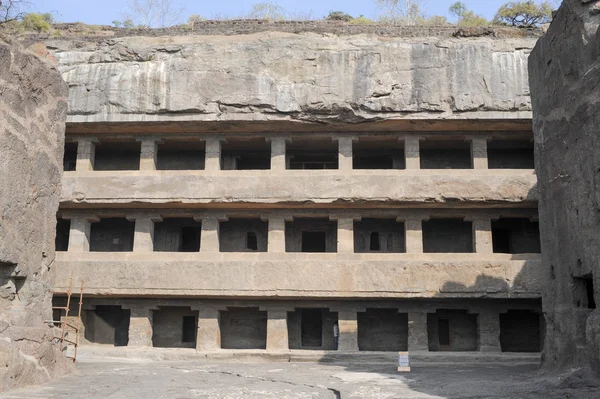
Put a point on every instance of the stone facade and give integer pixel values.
(33, 105)
(564, 81)
(254, 191)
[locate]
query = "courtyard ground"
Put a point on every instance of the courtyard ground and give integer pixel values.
(249, 378)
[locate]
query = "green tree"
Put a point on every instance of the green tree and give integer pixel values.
(37, 22)
(524, 13)
(339, 16)
(465, 16)
(267, 10)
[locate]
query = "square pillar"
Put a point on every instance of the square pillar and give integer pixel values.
(86, 150)
(149, 151)
(411, 153)
(345, 235)
(276, 239)
(213, 154)
(414, 235)
(143, 239)
(417, 331)
(278, 146)
(345, 153)
(348, 325)
(479, 153)
(482, 234)
(209, 330)
(209, 238)
(140, 326)
(79, 234)
(277, 333)
(489, 331)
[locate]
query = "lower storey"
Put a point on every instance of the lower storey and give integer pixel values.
(511, 325)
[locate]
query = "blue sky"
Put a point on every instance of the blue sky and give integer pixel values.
(105, 11)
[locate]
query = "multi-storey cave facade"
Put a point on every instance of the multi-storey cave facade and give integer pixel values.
(252, 191)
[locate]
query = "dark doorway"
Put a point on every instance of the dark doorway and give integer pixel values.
(520, 331)
(107, 324)
(314, 241)
(444, 332)
(251, 241)
(501, 241)
(188, 333)
(311, 328)
(190, 239)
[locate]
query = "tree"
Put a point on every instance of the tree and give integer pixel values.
(339, 16)
(465, 16)
(267, 10)
(406, 12)
(524, 13)
(153, 13)
(12, 10)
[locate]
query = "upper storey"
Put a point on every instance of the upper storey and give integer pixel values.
(309, 77)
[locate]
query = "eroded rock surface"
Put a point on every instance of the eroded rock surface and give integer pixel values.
(286, 76)
(565, 84)
(32, 119)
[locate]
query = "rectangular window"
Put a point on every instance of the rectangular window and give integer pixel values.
(313, 241)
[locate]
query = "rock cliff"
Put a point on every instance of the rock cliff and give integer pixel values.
(565, 85)
(282, 76)
(33, 101)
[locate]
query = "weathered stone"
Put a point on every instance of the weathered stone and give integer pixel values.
(32, 115)
(299, 77)
(565, 82)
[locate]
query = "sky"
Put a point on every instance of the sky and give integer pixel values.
(105, 11)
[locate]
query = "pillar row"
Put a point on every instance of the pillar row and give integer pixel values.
(489, 331)
(143, 239)
(482, 229)
(148, 153)
(278, 148)
(276, 239)
(213, 154)
(209, 239)
(417, 331)
(209, 330)
(140, 326)
(79, 234)
(345, 235)
(414, 235)
(345, 153)
(277, 332)
(86, 150)
(479, 153)
(412, 153)
(348, 324)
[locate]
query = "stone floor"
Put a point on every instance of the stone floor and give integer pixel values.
(146, 378)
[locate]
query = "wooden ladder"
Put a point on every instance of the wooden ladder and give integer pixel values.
(67, 327)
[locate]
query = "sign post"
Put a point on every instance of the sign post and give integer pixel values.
(403, 362)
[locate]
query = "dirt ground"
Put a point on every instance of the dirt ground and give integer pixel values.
(146, 378)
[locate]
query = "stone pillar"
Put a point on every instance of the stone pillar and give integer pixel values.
(277, 333)
(209, 239)
(348, 331)
(479, 153)
(489, 331)
(345, 153)
(86, 149)
(209, 331)
(276, 238)
(213, 155)
(143, 240)
(414, 235)
(482, 235)
(411, 153)
(345, 235)
(79, 233)
(149, 151)
(278, 145)
(417, 331)
(140, 326)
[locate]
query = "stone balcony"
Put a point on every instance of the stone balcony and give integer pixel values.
(502, 187)
(301, 275)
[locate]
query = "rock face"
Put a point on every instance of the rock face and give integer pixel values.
(284, 76)
(32, 116)
(565, 84)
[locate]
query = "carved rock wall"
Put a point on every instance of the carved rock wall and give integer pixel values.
(565, 83)
(33, 104)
